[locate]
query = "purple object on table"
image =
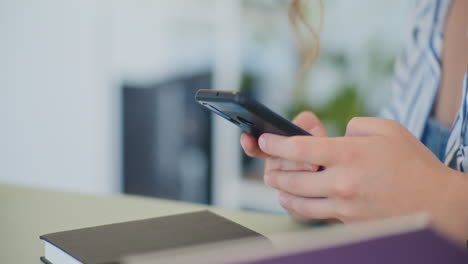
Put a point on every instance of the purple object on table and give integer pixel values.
(421, 246)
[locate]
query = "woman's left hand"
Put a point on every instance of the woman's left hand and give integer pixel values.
(378, 169)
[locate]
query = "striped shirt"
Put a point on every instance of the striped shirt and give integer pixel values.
(417, 78)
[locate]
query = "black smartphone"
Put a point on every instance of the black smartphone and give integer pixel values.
(248, 114)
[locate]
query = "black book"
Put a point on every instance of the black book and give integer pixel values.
(110, 243)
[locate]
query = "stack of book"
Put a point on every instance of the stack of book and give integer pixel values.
(204, 237)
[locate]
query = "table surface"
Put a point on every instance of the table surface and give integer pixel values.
(27, 213)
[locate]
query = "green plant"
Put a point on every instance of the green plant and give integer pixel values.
(345, 105)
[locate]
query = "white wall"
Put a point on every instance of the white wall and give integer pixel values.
(55, 96)
(61, 64)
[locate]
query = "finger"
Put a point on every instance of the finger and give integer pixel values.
(314, 150)
(287, 165)
(301, 183)
(310, 123)
(295, 215)
(298, 217)
(370, 126)
(310, 208)
(249, 144)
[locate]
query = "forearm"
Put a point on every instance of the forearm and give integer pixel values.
(451, 215)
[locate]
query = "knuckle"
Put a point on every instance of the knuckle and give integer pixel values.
(345, 190)
(354, 122)
(354, 125)
(392, 124)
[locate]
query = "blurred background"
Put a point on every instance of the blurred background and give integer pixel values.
(98, 96)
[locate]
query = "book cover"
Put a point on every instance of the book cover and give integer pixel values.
(109, 243)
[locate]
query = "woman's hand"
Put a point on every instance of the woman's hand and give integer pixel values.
(305, 120)
(378, 169)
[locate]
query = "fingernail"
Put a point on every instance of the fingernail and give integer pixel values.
(310, 167)
(262, 142)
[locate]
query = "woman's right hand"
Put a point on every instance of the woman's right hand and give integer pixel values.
(305, 120)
